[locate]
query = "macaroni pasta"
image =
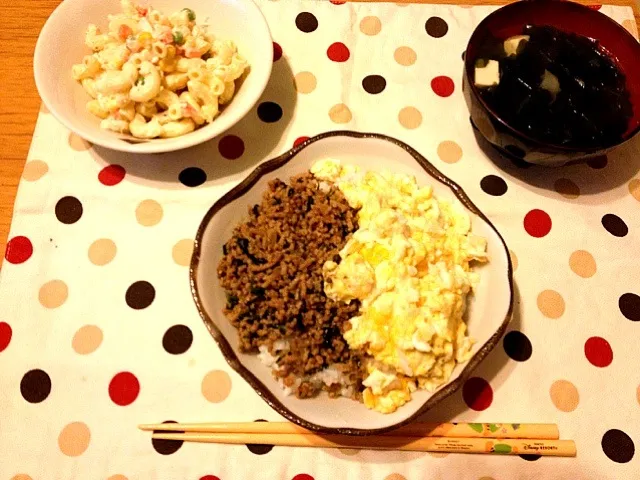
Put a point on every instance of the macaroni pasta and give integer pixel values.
(155, 75)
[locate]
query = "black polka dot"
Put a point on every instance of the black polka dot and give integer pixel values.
(259, 449)
(515, 151)
(436, 27)
(530, 457)
(140, 295)
(166, 447)
(629, 304)
(68, 210)
(374, 84)
(618, 446)
(615, 225)
(517, 346)
(306, 22)
(177, 339)
(35, 386)
(493, 185)
(269, 112)
(192, 176)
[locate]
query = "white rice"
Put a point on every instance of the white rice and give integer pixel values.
(329, 376)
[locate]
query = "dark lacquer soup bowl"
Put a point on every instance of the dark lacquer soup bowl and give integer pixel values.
(512, 140)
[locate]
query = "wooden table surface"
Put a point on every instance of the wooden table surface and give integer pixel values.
(20, 24)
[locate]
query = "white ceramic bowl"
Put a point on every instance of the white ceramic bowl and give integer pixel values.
(61, 44)
(489, 310)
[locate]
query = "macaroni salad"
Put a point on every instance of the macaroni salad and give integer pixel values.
(154, 75)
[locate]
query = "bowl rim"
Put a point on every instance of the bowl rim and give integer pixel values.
(468, 71)
(264, 392)
(161, 145)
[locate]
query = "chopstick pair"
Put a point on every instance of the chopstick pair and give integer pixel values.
(483, 438)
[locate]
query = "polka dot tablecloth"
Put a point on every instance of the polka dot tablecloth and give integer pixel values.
(98, 331)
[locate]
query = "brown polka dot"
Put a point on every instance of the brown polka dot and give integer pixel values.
(78, 144)
(140, 295)
(551, 304)
(117, 477)
(349, 452)
(340, 113)
(74, 439)
(567, 188)
(149, 213)
(410, 117)
(53, 294)
(564, 395)
(449, 151)
(102, 251)
(634, 188)
(582, 263)
(21, 476)
(216, 386)
(370, 25)
(436, 27)
(34, 170)
(395, 476)
(182, 251)
(514, 260)
(486, 128)
(405, 56)
(438, 454)
(68, 210)
(631, 27)
(305, 82)
(87, 339)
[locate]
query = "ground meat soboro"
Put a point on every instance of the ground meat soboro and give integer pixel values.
(272, 272)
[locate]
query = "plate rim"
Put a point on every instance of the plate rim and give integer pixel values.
(263, 391)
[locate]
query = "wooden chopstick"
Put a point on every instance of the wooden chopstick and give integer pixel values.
(542, 431)
(556, 448)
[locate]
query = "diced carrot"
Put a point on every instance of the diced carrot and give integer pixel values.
(192, 53)
(142, 11)
(124, 31)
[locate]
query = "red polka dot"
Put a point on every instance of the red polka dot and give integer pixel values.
(598, 352)
(442, 86)
(19, 250)
(209, 477)
(477, 393)
(231, 147)
(338, 52)
(277, 51)
(111, 175)
(5, 335)
(124, 388)
(299, 140)
(303, 476)
(537, 223)
(595, 7)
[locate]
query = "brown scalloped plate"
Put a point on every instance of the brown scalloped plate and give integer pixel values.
(489, 309)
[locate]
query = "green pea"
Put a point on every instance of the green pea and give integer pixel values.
(178, 38)
(191, 15)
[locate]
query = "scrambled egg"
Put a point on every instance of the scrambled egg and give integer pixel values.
(409, 265)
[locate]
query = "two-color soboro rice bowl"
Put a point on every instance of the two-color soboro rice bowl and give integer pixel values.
(354, 283)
